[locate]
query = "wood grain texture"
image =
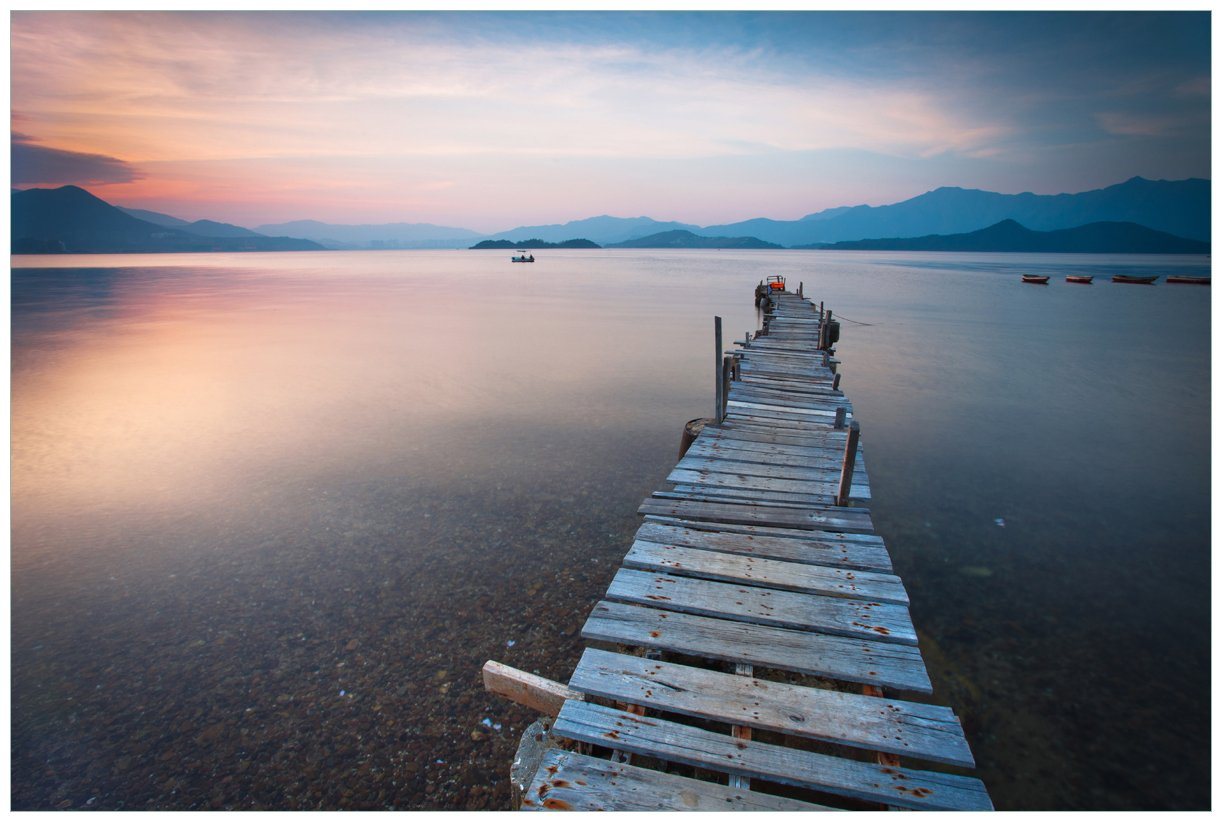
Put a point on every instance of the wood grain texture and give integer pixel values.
(909, 729)
(676, 742)
(568, 781)
(849, 660)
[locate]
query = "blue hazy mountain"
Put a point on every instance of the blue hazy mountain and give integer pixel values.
(603, 230)
(71, 220)
(386, 235)
(204, 228)
(1008, 235)
(681, 238)
(1179, 207)
(154, 217)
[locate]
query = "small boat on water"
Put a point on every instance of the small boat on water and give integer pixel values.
(1079, 278)
(1188, 280)
(1125, 278)
(522, 257)
(1035, 279)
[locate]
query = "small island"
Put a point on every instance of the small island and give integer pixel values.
(533, 243)
(687, 239)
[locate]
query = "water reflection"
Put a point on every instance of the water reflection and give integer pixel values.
(272, 512)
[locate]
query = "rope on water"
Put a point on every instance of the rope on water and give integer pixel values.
(846, 319)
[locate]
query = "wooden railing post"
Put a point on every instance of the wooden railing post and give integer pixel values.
(840, 414)
(727, 370)
(836, 382)
(719, 401)
(850, 459)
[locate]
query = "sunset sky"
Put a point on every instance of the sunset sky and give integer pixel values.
(493, 120)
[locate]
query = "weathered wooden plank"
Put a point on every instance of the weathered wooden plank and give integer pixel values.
(764, 457)
(785, 609)
(795, 387)
(839, 519)
(745, 496)
(856, 537)
(767, 573)
(783, 397)
(773, 435)
(728, 478)
(785, 411)
(531, 690)
(751, 464)
(909, 729)
(778, 370)
(816, 549)
(826, 449)
(569, 781)
(850, 660)
(696, 747)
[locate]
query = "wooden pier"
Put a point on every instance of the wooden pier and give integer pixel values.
(755, 651)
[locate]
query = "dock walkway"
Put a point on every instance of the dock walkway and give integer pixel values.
(740, 655)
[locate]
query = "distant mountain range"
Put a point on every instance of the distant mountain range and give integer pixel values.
(1180, 207)
(71, 220)
(603, 230)
(388, 235)
(204, 228)
(1008, 235)
(686, 239)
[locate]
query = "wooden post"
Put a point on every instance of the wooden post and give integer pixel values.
(720, 387)
(800, 288)
(691, 430)
(850, 458)
(727, 368)
(840, 414)
(836, 383)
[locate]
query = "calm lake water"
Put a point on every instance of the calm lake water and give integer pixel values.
(272, 512)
